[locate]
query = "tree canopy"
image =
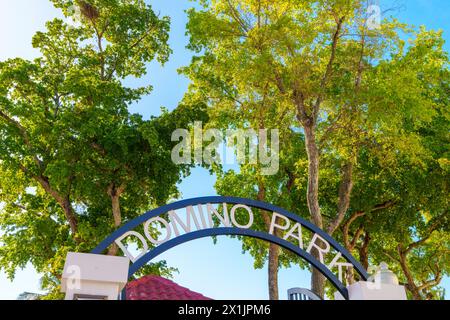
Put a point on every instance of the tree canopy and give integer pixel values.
(354, 97)
(75, 164)
(361, 109)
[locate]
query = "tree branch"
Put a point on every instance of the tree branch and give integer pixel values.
(25, 136)
(345, 190)
(236, 17)
(433, 227)
(329, 68)
(358, 214)
(431, 283)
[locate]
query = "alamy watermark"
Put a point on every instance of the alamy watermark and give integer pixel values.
(74, 278)
(235, 146)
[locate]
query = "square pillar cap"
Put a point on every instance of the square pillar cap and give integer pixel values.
(95, 268)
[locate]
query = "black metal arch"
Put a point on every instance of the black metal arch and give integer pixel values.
(234, 231)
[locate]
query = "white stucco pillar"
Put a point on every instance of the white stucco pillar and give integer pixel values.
(382, 286)
(94, 277)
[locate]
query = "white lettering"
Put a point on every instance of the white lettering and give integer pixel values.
(340, 265)
(280, 226)
(166, 226)
(250, 216)
(119, 243)
(274, 224)
(225, 220)
(296, 235)
(321, 251)
(202, 217)
(175, 219)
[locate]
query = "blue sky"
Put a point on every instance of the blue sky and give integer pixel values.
(219, 271)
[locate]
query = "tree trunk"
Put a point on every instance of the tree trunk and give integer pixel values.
(363, 255)
(114, 194)
(364, 252)
(317, 279)
(411, 286)
(318, 283)
(313, 174)
(345, 191)
(274, 252)
(63, 201)
(70, 216)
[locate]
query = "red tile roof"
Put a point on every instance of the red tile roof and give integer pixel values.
(157, 288)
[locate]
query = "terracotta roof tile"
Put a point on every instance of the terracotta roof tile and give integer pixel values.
(153, 287)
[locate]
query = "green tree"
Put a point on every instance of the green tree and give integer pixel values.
(74, 163)
(399, 211)
(340, 81)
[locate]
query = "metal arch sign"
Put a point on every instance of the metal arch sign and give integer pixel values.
(198, 221)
